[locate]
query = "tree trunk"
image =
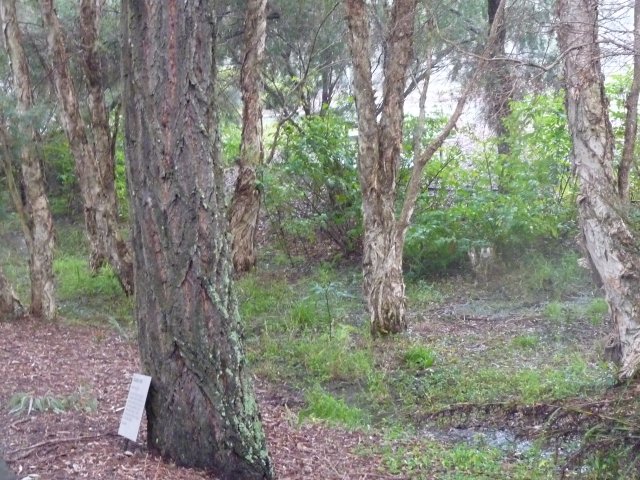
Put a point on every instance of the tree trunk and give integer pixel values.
(379, 148)
(201, 411)
(631, 120)
(10, 306)
(609, 240)
(245, 206)
(40, 238)
(92, 152)
(499, 86)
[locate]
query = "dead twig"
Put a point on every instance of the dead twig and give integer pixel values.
(47, 443)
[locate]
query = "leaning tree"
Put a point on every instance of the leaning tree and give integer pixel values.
(609, 239)
(201, 410)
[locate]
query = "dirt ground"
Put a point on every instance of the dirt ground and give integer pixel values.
(92, 367)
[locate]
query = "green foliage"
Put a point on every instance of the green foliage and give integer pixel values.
(61, 173)
(26, 403)
(312, 192)
(120, 180)
(597, 310)
(514, 202)
(419, 357)
(556, 277)
(323, 406)
(555, 311)
(526, 341)
(230, 139)
(76, 280)
(457, 461)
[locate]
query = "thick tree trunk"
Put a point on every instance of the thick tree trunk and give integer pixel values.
(201, 411)
(378, 154)
(92, 153)
(631, 120)
(40, 239)
(245, 206)
(10, 306)
(609, 240)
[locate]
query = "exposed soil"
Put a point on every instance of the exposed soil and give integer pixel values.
(89, 364)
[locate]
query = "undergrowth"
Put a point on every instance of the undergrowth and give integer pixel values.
(529, 337)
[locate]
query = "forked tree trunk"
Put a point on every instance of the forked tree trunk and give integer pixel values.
(201, 411)
(608, 238)
(91, 148)
(40, 236)
(245, 206)
(379, 148)
(10, 306)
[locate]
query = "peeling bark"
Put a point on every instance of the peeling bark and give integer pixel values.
(378, 152)
(608, 238)
(40, 241)
(10, 306)
(379, 145)
(91, 147)
(245, 206)
(201, 410)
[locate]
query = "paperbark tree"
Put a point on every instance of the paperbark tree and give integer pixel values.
(245, 206)
(39, 237)
(609, 240)
(379, 147)
(201, 410)
(10, 306)
(631, 119)
(91, 147)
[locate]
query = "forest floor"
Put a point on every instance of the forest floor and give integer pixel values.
(503, 380)
(73, 383)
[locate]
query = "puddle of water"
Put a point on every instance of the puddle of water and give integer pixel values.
(503, 440)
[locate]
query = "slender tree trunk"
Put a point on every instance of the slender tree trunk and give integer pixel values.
(609, 240)
(631, 120)
(379, 146)
(378, 153)
(12, 185)
(10, 306)
(245, 206)
(118, 251)
(92, 152)
(499, 85)
(40, 239)
(201, 411)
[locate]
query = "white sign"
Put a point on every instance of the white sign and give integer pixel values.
(132, 415)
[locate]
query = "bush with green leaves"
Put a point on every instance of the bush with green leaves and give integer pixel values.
(514, 202)
(312, 190)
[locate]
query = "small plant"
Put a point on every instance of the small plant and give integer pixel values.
(28, 402)
(323, 406)
(526, 341)
(420, 357)
(554, 311)
(597, 311)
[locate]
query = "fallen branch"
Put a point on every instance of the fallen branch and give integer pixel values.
(47, 443)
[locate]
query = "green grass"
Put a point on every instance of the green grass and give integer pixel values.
(322, 406)
(426, 459)
(525, 341)
(419, 357)
(308, 329)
